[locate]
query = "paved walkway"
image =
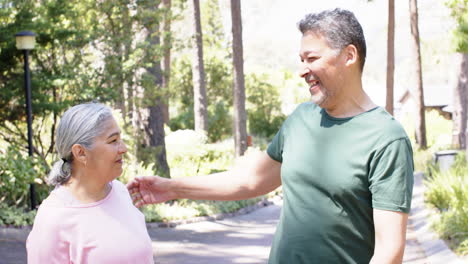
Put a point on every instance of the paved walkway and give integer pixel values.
(241, 239)
(246, 239)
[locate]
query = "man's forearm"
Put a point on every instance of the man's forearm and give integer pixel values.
(219, 186)
(248, 179)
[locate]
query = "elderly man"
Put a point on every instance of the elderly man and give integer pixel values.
(344, 163)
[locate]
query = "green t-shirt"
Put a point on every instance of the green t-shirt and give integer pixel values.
(334, 172)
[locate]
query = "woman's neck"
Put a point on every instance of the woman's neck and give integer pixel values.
(87, 189)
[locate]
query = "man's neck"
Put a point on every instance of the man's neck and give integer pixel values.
(351, 103)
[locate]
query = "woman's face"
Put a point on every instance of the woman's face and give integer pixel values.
(105, 159)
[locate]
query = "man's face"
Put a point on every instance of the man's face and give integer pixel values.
(322, 69)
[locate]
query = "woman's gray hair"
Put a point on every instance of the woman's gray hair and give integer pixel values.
(339, 27)
(80, 124)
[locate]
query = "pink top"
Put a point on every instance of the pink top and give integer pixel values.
(112, 230)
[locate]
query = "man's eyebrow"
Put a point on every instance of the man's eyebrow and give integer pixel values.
(305, 52)
(113, 134)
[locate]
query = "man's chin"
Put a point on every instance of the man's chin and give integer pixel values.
(318, 100)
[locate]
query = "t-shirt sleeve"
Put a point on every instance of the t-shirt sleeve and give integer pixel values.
(275, 149)
(122, 190)
(44, 243)
(391, 177)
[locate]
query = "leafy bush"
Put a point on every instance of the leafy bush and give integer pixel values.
(448, 192)
(188, 154)
(263, 106)
(184, 209)
(13, 216)
(17, 172)
(219, 122)
(219, 97)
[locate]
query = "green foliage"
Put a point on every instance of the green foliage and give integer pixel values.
(189, 154)
(184, 209)
(86, 50)
(263, 100)
(17, 172)
(438, 131)
(448, 192)
(263, 106)
(422, 159)
(439, 137)
(460, 34)
(219, 122)
(218, 86)
(13, 216)
(212, 26)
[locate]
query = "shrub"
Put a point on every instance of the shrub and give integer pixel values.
(13, 216)
(264, 106)
(184, 209)
(17, 172)
(219, 97)
(448, 192)
(189, 154)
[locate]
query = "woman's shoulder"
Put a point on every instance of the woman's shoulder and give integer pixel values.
(53, 200)
(120, 188)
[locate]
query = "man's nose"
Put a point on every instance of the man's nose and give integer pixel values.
(303, 71)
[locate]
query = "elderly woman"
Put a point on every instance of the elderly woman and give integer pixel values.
(89, 217)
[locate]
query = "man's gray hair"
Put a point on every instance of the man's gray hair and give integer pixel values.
(80, 124)
(339, 27)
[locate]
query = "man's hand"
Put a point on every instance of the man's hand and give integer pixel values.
(150, 190)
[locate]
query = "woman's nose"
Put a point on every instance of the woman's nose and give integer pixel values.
(123, 147)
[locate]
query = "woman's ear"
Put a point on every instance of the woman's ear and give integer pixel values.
(79, 153)
(351, 55)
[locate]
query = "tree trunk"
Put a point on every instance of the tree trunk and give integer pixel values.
(460, 98)
(198, 73)
(418, 94)
(390, 55)
(167, 45)
(240, 116)
(153, 148)
(127, 77)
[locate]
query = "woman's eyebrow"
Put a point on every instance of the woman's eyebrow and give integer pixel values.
(113, 134)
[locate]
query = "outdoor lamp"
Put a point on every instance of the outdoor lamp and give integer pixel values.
(25, 41)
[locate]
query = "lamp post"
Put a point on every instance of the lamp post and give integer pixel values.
(25, 41)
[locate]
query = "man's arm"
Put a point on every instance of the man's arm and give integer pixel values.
(256, 176)
(390, 236)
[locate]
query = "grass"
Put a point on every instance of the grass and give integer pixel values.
(185, 209)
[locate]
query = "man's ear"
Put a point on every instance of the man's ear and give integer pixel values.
(79, 153)
(351, 55)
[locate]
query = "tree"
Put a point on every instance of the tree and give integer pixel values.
(418, 92)
(390, 55)
(198, 74)
(167, 45)
(114, 37)
(240, 116)
(149, 115)
(460, 38)
(60, 73)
